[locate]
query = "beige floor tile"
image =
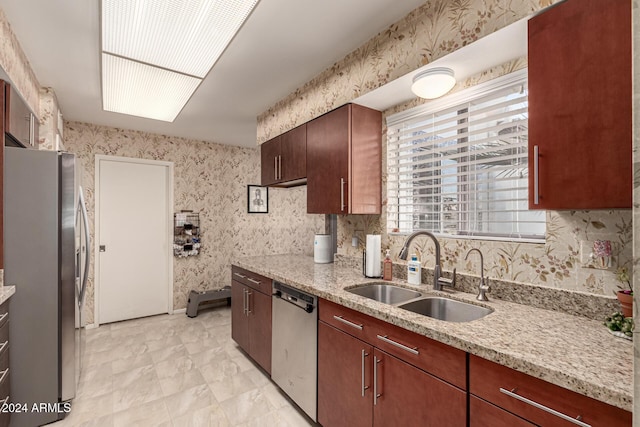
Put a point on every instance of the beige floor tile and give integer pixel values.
(153, 413)
(173, 371)
(123, 365)
(246, 407)
(170, 352)
(136, 387)
(210, 416)
(220, 370)
(189, 400)
(231, 387)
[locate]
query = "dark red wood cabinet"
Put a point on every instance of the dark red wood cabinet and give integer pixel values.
(344, 165)
(523, 395)
(284, 159)
(580, 101)
(251, 315)
(361, 384)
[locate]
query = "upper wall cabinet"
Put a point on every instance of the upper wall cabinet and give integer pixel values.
(580, 101)
(284, 158)
(344, 161)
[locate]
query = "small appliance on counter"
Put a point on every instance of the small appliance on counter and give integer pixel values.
(371, 258)
(322, 249)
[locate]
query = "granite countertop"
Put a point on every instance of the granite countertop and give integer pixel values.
(570, 351)
(6, 292)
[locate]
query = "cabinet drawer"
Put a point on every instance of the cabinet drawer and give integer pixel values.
(485, 414)
(500, 385)
(345, 319)
(251, 279)
(441, 360)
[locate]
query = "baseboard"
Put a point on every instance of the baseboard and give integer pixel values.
(179, 311)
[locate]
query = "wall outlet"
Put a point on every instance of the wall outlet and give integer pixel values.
(589, 260)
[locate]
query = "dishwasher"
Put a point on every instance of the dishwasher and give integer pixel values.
(294, 349)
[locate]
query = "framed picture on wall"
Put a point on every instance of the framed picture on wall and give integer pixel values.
(257, 199)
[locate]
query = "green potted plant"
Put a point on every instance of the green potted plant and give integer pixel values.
(625, 294)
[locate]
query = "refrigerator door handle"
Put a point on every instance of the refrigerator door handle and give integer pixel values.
(87, 237)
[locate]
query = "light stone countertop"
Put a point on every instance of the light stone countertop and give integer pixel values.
(6, 292)
(570, 351)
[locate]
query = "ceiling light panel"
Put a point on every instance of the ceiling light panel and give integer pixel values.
(187, 36)
(129, 87)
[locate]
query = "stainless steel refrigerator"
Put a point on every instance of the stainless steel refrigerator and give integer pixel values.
(44, 247)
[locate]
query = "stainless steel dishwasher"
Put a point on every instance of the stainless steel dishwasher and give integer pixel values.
(294, 350)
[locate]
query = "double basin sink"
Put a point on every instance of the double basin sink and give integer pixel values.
(437, 307)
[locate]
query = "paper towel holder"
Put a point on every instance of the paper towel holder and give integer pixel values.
(364, 267)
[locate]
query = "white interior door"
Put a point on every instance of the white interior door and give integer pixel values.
(133, 247)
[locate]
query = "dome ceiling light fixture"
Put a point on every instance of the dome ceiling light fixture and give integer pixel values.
(433, 83)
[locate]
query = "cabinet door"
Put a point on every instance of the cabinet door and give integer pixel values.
(342, 370)
(239, 319)
(293, 152)
(484, 414)
(260, 328)
(328, 155)
(269, 152)
(580, 105)
(411, 397)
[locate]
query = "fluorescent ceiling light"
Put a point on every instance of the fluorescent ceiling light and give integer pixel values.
(183, 36)
(433, 83)
(129, 87)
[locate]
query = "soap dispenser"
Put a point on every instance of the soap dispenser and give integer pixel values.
(387, 267)
(414, 270)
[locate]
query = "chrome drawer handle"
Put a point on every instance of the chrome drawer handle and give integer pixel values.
(376, 395)
(342, 204)
(575, 421)
(3, 345)
(249, 293)
(255, 282)
(412, 350)
(4, 315)
(364, 354)
(4, 374)
(346, 322)
(536, 175)
(242, 276)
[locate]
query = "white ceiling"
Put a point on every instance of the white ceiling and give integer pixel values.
(282, 45)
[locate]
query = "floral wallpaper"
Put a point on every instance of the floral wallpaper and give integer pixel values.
(16, 65)
(210, 179)
(429, 32)
(49, 110)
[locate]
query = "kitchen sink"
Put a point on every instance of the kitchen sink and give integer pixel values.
(446, 309)
(386, 293)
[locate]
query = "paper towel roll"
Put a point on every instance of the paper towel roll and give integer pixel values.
(373, 255)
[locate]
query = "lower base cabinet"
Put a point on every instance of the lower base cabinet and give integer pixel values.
(251, 315)
(360, 385)
(534, 400)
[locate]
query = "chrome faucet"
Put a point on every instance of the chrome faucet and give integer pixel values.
(482, 289)
(438, 282)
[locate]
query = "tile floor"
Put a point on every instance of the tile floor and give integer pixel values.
(171, 370)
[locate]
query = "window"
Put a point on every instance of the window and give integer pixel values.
(458, 165)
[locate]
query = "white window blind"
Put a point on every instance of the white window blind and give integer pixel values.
(459, 165)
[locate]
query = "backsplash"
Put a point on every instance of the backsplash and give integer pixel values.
(211, 179)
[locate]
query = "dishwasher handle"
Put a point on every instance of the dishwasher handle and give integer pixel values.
(293, 301)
